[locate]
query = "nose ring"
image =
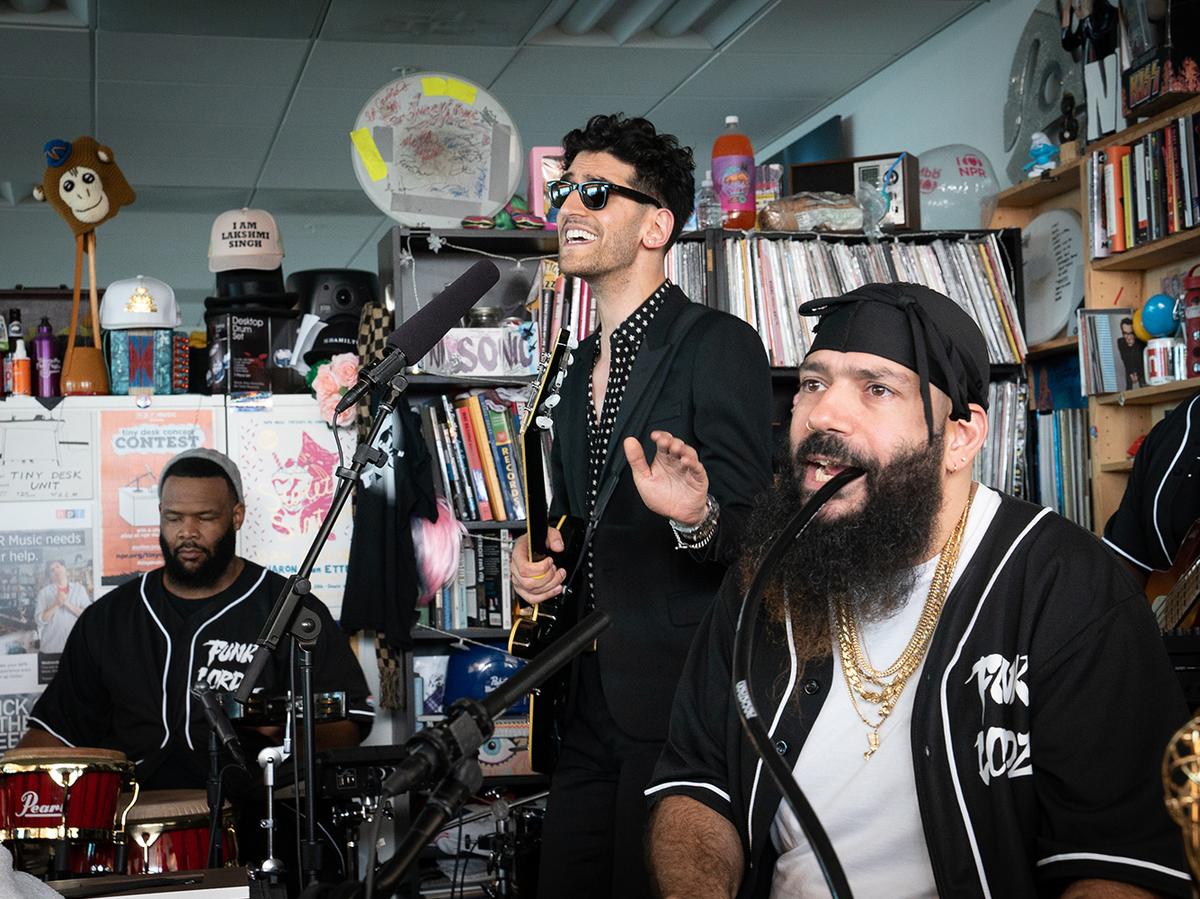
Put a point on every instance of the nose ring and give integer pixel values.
(808, 424)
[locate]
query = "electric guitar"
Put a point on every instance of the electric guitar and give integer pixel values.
(1177, 607)
(536, 626)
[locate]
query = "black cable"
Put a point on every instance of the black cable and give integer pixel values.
(743, 648)
(372, 853)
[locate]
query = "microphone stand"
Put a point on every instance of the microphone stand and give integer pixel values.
(743, 641)
(448, 750)
(290, 616)
(215, 799)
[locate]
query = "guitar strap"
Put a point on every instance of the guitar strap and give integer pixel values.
(684, 321)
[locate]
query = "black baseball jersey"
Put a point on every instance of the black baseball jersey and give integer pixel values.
(1038, 726)
(125, 677)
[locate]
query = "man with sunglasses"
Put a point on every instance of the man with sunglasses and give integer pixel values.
(661, 439)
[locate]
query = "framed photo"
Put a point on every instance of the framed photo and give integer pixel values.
(545, 164)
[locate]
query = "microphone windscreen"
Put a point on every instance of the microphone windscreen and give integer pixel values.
(416, 336)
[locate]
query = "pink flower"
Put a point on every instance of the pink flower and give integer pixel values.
(325, 384)
(328, 405)
(345, 369)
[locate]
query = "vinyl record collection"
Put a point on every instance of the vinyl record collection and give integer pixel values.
(1062, 469)
(1001, 462)
(768, 277)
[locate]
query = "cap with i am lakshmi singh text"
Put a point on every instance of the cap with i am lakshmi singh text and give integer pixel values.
(245, 238)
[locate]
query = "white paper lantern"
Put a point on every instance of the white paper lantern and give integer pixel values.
(958, 188)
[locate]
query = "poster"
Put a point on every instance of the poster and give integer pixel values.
(46, 581)
(287, 457)
(134, 444)
(45, 454)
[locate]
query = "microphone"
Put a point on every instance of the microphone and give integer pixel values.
(220, 723)
(416, 336)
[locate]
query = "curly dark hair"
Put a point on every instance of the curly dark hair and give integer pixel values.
(662, 168)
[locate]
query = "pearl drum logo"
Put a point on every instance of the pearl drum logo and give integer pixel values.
(32, 807)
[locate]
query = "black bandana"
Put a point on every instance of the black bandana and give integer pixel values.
(915, 326)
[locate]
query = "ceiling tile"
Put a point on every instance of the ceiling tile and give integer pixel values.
(324, 174)
(366, 67)
(200, 59)
(245, 18)
(314, 202)
(889, 27)
(199, 103)
(480, 22)
(181, 169)
(27, 98)
(697, 121)
(782, 75)
(206, 200)
(576, 71)
(45, 53)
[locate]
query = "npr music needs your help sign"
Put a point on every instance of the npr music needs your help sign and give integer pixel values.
(509, 351)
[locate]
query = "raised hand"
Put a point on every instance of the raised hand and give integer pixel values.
(676, 485)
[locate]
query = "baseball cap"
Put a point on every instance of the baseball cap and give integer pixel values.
(338, 335)
(219, 459)
(141, 302)
(244, 238)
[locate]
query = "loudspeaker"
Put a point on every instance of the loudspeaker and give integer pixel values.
(334, 291)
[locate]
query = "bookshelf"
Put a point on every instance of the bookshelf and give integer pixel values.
(1127, 279)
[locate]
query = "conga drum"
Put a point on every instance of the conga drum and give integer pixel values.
(66, 796)
(168, 831)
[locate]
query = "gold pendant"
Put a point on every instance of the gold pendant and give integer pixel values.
(873, 739)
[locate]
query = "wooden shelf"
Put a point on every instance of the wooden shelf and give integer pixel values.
(518, 525)
(1140, 130)
(1127, 465)
(1036, 191)
(429, 380)
(1151, 396)
(1173, 248)
(1057, 346)
(424, 634)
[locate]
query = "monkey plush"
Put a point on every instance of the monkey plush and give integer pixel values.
(83, 182)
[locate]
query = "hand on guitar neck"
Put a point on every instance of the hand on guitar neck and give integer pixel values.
(541, 580)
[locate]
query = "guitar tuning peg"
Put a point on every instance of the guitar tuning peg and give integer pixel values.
(544, 422)
(551, 401)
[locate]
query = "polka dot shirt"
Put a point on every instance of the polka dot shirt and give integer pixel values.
(624, 344)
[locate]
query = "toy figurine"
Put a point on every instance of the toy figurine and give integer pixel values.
(1090, 27)
(1043, 155)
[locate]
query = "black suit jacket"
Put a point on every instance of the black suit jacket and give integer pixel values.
(712, 388)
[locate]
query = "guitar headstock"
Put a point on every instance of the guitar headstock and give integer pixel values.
(545, 395)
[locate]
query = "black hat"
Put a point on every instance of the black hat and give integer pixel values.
(1162, 499)
(339, 335)
(915, 326)
(244, 286)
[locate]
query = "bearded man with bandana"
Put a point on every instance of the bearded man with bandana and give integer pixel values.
(970, 690)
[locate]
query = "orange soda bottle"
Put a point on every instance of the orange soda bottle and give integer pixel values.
(733, 176)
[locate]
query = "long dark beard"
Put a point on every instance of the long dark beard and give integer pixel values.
(866, 558)
(211, 570)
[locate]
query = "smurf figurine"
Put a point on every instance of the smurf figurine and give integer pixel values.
(1043, 155)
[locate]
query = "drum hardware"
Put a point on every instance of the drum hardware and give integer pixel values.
(268, 759)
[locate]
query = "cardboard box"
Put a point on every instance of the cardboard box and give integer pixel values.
(1160, 56)
(250, 351)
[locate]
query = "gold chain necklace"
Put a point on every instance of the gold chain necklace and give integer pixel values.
(857, 669)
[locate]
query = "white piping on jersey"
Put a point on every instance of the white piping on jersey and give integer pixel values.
(1114, 859)
(52, 732)
(962, 805)
(166, 665)
(1157, 493)
(1122, 552)
(187, 687)
(787, 620)
(690, 783)
(368, 713)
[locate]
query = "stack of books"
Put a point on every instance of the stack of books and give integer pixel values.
(1146, 190)
(474, 440)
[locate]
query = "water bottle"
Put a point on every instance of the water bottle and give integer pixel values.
(46, 361)
(708, 207)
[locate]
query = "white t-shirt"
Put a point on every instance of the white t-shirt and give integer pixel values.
(868, 807)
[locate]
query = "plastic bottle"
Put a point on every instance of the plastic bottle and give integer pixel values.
(733, 176)
(46, 361)
(708, 207)
(22, 372)
(4, 363)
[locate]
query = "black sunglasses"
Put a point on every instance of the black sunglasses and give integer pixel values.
(594, 194)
